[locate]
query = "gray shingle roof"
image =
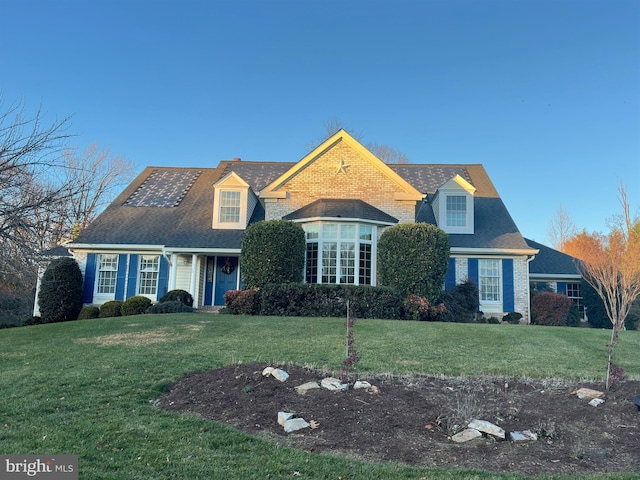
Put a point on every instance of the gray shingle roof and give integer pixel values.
(341, 208)
(189, 222)
(551, 262)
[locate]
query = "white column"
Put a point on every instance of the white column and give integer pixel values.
(194, 279)
(174, 271)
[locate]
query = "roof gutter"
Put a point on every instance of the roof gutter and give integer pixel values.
(495, 251)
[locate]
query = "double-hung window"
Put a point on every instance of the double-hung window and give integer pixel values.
(107, 273)
(229, 207)
(148, 274)
(456, 211)
(490, 280)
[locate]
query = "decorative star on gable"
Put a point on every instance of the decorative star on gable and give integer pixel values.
(343, 167)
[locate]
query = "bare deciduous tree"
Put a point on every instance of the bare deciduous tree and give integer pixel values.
(561, 228)
(611, 265)
(98, 176)
(384, 152)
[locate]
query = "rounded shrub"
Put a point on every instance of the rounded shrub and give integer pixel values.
(60, 295)
(272, 252)
(513, 318)
(135, 305)
(111, 309)
(171, 306)
(178, 296)
(551, 309)
(89, 312)
(413, 259)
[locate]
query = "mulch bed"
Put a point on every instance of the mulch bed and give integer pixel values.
(411, 419)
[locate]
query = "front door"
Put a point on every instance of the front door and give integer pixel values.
(226, 278)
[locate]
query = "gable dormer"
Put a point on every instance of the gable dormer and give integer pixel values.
(453, 206)
(233, 203)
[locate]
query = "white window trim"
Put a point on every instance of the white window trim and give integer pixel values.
(150, 296)
(242, 219)
(104, 297)
(321, 240)
(491, 305)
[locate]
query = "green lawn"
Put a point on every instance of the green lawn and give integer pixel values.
(85, 387)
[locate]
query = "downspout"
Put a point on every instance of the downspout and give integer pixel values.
(529, 259)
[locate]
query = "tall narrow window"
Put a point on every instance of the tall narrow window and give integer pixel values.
(456, 211)
(107, 271)
(573, 292)
(148, 274)
(489, 279)
(229, 207)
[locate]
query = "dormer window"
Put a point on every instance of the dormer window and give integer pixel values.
(233, 203)
(456, 211)
(229, 207)
(453, 206)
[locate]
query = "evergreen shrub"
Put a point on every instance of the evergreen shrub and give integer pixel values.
(178, 295)
(89, 312)
(60, 295)
(461, 302)
(323, 300)
(272, 252)
(111, 309)
(512, 318)
(171, 306)
(413, 259)
(135, 305)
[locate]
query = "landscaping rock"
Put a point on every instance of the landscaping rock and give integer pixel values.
(294, 424)
(361, 384)
(588, 393)
(488, 428)
(331, 383)
(522, 437)
(306, 387)
(279, 374)
(596, 401)
(466, 435)
(267, 371)
(284, 416)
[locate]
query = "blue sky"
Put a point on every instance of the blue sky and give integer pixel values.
(545, 94)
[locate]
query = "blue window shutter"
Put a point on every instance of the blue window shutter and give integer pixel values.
(132, 278)
(163, 277)
(121, 276)
(473, 271)
(561, 287)
(450, 279)
(89, 278)
(508, 294)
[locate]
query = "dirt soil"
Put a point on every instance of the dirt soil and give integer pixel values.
(411, 419)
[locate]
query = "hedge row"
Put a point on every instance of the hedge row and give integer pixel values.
(306, 300)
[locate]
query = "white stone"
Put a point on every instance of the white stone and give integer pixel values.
(589, 393)
(466, 435)
(524, 436)
(488, 428)
(280, 374)
(305, 387)
(267, 371)
(331, 383)
(361, 384)
(283, 417)
(294, 424)
(596, 401)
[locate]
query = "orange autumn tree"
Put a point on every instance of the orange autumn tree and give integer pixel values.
(611, 265)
